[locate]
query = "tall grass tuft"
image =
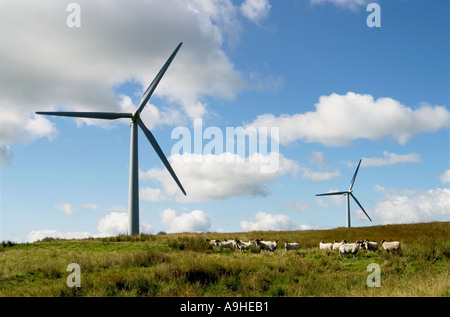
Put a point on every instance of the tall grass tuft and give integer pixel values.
(189, 243)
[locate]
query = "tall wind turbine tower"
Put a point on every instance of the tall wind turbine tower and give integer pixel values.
(133, 198)
(349, 193)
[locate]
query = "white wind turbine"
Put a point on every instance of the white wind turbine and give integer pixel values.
(349, 193)
(133, 198)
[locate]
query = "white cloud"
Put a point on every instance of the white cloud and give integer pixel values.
(17, 127)
(6, 155)
(37, 235)
(318, 158)
(445, 177)
(267, 83)
(90, 206)
(223, 14)
(106, 51)
(412, 206)
(152, 115)
(153, 194)
(67, 208)
(255, 10)
(218, 177)
(38, 126)
(212, 177)
(296, 206)
(71, 210)
(349, 4)
(113, 224)
(390, 159)
(265, 222)
(330, 200)
(116, 223)
(307, 173)
(340, 119)
(194, 221)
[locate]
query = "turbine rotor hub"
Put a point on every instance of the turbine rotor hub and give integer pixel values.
(135, 116)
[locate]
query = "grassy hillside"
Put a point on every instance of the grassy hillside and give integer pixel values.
(184, 265)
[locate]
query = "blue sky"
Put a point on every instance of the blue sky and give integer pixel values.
(337, 90)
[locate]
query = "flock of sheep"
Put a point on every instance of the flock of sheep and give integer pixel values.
(242, 246)
(342, 246)
(353, 248)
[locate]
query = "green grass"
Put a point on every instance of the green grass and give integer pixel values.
(185, 265)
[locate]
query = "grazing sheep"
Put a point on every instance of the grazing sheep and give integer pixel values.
(370, 246)
(241, 245)
(290, 246)
(267, 245)
(349, 248)
(336, 244)
(212, 243)
(226, 244)
(325, 246)
(393, 246)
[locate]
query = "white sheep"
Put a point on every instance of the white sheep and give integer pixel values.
(370, 246)
(212, 243)
(336, 244)
(325, 246)
(393, 246)
(349, 248)
(291, 246)
(267, 245)
(226, 244)
(241, 245)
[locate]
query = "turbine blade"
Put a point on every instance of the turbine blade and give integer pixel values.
(354, 175)
(360, 206)
(160, 153)
(331, 194)
(148, 93)
(92, 115)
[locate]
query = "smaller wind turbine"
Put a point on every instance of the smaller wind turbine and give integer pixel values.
(349, 193)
